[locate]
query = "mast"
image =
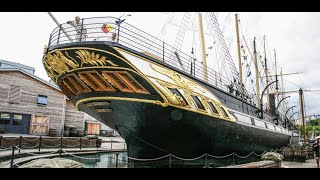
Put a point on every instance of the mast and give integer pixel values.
(256, 68)
(203, 46)
(266, 72)
(302, 114)
(275, 62)
(239, 53)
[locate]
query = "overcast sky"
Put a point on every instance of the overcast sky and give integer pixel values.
(295, 36)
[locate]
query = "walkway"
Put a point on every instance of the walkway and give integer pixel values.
(310, 163)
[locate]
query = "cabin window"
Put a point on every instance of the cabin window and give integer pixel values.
(213, 108)
(42, 99)
(117, 81)
(132, 82)
(178, 94)
(198, 102)
(224, 112)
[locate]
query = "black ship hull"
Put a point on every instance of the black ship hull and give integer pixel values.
(151, 131)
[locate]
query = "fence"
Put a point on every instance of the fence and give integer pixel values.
(168, 161)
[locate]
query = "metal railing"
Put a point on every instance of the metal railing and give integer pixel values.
(90, 29)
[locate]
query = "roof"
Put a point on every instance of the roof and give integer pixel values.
(32, 76)
(13, 65)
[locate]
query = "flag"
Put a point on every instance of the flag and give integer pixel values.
(106, 28)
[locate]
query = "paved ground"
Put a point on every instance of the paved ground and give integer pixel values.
(310, 163)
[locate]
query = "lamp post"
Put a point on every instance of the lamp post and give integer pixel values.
(285, 115)
(261, 103)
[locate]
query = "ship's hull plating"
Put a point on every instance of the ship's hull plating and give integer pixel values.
(152, 131)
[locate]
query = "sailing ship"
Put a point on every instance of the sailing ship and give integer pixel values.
(156, 96)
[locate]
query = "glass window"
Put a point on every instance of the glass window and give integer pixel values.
(3, 121)
(17, 122)
(198, 102)
(42, 99)
(5, 115)
(16, 116)
(179, 95)
(224, 112)
(213, 108)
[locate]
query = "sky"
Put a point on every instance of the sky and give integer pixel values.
(294, 35)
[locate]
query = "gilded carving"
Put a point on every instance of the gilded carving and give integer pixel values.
(93, 59)
(57, 63)
(176, 77)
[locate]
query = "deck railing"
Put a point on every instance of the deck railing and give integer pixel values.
(115, 30)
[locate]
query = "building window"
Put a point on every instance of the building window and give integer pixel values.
(42, 99)
(5, 115)
(17, 120)
(198, 102)
(3, 121)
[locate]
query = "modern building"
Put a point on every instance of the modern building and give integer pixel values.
(31, 105)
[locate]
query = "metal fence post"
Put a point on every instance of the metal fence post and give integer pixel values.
(233, 159)
(12, 156)
(59, 34)
(81, 30)
(20, 143)
(111, 143)
(118, 30)
(80, 143)
(163, 51)
(252, 157)
(117, 154)
(39, 143)
(206, 165)
(170, 160)
(60, 145)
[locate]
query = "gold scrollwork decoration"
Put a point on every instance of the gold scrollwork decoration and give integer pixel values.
(94, 59)
(56, 63)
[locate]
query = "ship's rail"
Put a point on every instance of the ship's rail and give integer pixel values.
(90, 29)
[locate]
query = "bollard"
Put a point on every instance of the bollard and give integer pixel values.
(12, 156)
(117, 154)
(20, 143)
(111, 143)
(80, 143)
(39, 143)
